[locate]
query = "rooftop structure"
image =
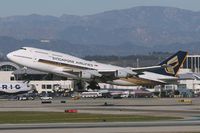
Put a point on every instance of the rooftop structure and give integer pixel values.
(192, 62)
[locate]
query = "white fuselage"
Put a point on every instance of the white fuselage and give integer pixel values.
(50, 61)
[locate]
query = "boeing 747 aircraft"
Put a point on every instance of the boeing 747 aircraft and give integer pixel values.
(77, 68)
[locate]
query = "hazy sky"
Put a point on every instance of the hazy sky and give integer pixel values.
(83, 7)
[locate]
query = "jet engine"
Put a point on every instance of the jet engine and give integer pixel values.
(124, 73)
(89, 74)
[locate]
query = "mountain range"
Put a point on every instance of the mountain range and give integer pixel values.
(137, 30)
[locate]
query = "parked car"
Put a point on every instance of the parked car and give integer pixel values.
(25, 98)
(46, 98)
(22, 98)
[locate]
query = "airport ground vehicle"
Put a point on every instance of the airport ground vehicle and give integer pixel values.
(46, 98)
(91, 94)
(24, 97)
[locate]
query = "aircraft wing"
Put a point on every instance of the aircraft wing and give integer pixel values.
(143, 81)
(146, 68)
(128, 71)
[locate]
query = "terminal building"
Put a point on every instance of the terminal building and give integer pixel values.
(40, 81)
(6, 71)
(192, 62)
(190, 74)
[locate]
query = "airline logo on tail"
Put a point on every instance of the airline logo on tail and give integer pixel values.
(172, 64)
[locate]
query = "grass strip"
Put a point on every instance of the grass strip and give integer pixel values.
(58, 117)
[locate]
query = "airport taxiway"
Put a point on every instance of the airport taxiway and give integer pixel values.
(141, 106)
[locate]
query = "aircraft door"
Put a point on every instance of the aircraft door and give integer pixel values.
(34, 57)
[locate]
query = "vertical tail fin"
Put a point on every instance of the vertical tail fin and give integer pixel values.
(172, 64)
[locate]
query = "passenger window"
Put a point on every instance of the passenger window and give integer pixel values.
(43, 87)
(48, 86)
(12, 78)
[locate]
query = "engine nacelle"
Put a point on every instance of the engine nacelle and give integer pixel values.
(124, 73)
(89, 74)
(121, 74)
(86, 75)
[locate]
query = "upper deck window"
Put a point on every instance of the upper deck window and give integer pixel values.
(41, 52)
(57, 55)
(23, 48)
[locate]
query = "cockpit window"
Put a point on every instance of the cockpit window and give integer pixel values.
(23, 48)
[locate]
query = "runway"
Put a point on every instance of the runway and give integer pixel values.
(107, 127)
(153, 107)
(186, 129)
(99, 125)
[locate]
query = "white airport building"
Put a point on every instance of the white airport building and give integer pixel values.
(190, 81)
(11, 73)
(192, 62)
(190, 73)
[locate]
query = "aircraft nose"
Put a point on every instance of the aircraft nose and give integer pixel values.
(10, 55)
